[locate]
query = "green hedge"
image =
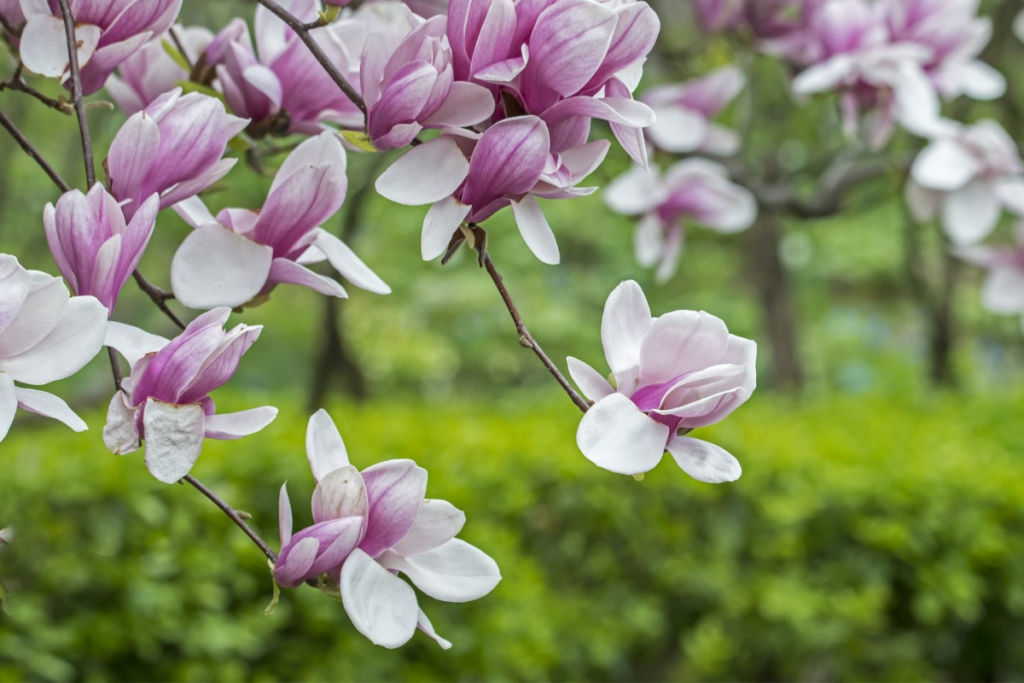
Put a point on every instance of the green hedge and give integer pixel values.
(869, 538)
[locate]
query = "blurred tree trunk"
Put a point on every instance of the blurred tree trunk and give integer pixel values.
(778, 306)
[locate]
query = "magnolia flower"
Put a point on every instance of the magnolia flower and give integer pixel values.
(10, 12)
(284, 89)
(173, 148)
(717, 15)
(371, 526)
(954, 37)
(1003, 291)
(151, 72)
(93, 247)
(108, 33)
(45, 335)
(233, 258)
(166, 400)
(412, 87)
(852, 55)
(969, 174)
(692, 190)
(672, 374)
(685, 111)
(567, 61)
(427, 8)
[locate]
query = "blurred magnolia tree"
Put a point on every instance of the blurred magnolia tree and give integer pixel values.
(492, 113)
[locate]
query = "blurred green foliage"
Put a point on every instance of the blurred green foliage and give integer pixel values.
(837, 556)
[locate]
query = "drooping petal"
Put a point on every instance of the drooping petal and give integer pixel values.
(453, 572)
(174, 438)
(436, 523)
(228, 426)
(591, 383)
(381, 606)
(536, 231)
(121, 432)
(615, 435)
(704, 461)
(285, 271)
(324, 447)
(395, 489)
(345, 261)
(425, 174)
(48, 405)
(215, 266)
(440, 223)
(424, 625)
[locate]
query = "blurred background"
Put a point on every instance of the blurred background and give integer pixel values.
(877, 532)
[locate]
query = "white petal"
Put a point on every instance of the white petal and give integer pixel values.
(381, 606)
(120, 434)
(591, 383)
(342, 493)
(425, 174)
(980, 81)
(824, 75)
(348, 264)
(441, 222)
(704, 461)
(615, 435)
(678, 130)
(324, 447)
(8, 404)
(44, 47)
(194, 212)
(284, 271)
(453, 572)
(229, 426)
(75, 341)
(534, 228)
(1011, 194)
(436, 523)
(131, 342)
(626, 320)
(467, 104)
(41, 311)
(970, 214)
(217, 267)
(680, 342)
(284, 516)
(174, 438)
(944, 165)
(48, 405)
(424, 625)
(1003, 291)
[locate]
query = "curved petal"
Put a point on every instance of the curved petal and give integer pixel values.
(8, 404)
(423, 623)
(615, 435)
(131, 342)
(341, 493)
(440, 223)
(217, 267)
(348, 264)
(324, 447)
(453, 572)
(678, 129)
(591, 383)
(425, 174)
(436, 523)
(174, 438)
(970, 214)
(40, 313)
(467, 105)
(944, 165)
(704, 461)
(284, 516)
(396, 489)
(229, 426)
(15, 284)
(508, 160)
(48, 405)
(286, 271)
(536, 231)
(75, 341)
(381, 606)
(636, 191)
(682, 342)
(44, 46)
(121, 431)
(625, 323)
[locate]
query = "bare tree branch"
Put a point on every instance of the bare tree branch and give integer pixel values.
(32, 152)
(76, 93)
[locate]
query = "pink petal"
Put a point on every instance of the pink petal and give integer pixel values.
(396, 489)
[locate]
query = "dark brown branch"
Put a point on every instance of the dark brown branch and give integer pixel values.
(32, 152)
(235, 517)
(115, 368)
(76, 93)
(526, 339)
(159, 297)
(302, 30)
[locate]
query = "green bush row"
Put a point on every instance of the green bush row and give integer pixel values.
(868, 539)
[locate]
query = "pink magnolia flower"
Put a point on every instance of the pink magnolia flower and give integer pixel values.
(233, 258)
(672, 374)
(954, 37)
(718, 15)
(108, 33)
(10, 11)
(45, 335)
(174, 147)
(685, 111)
(412, 87)
(166, 399)
(370, 526)
(567, 61)
(969, 174)
(95, 250)
(283, 89)
(1003, 291)
(428, 8)
(693, 190)
(151, 72)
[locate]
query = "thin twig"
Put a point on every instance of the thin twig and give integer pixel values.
(302, 30)
(235, 517)
(32, 152)
(159, 297)
(115, 368)
(181, 48)
(76, 92)
(16, 82)
(527, 340)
